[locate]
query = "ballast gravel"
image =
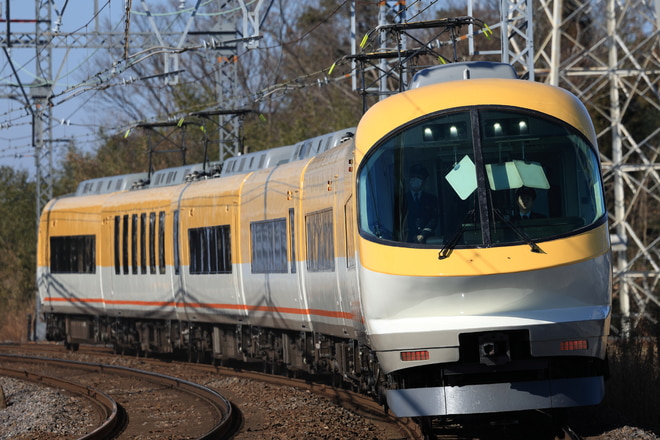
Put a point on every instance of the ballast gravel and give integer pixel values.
(37, 413)
(281, 412)
(272, 412)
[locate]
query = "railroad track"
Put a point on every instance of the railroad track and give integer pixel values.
(355, 402)
(533, 424)
(114, 424)
(111, 416)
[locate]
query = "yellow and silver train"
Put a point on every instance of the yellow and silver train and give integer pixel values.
(450, 254)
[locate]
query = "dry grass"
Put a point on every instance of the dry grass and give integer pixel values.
(634, 384)
(14, 322)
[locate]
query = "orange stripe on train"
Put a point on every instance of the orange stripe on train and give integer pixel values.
(287, 310)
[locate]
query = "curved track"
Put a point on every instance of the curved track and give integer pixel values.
(523, 425)
(104, 405)
(353, 401)
(223, 414)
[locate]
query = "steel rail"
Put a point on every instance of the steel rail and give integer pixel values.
(226, 417)
(105, 405)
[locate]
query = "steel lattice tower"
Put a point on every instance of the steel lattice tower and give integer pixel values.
(607, 52)
(615, 53)
(47, 36)
(36, 95)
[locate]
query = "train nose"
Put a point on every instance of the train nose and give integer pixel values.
(494, 349)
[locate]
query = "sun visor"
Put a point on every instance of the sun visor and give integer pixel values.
(516, 173)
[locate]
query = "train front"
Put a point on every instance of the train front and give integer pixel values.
(485, 268)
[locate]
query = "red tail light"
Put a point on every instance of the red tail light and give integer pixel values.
(414, 356)
(580, 344)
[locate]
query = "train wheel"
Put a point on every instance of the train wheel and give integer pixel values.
(118, 349)
(195, 355)
(338, 380)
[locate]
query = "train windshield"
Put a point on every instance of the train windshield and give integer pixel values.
(480, 178)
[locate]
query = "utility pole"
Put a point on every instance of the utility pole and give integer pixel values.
(47, 37)
(40, 91)
(617, 156)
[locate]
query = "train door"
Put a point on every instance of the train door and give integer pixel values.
(270, 282)
(324, 269)
(234, 213)
(178, 287)
(346, 259)
(296, 267)
(209, 243)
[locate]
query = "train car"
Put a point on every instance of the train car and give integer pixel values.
(489, 309)
(450, 255)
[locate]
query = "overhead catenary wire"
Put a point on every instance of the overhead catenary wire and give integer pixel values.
(113, 75)
(101, 80)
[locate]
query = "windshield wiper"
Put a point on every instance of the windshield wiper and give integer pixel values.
(446, 251)
(520, 233)
(451, 244)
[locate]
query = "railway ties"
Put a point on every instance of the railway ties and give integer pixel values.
(300, 406)
(134, 403)
(512, 426)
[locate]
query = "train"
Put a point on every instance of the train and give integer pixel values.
(448, 255)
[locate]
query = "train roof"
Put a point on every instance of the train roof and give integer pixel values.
(182, 174)
(402, 108)
(235, 165)
(290, 153)
(106, 185)
(312, 147)
(257, 160)
(461, 71)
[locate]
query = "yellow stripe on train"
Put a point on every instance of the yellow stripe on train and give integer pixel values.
(476, 261)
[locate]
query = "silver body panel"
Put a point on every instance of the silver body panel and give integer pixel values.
(414, 313)
(500, 397)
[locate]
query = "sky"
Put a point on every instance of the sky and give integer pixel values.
(75, 113)
(73, 118)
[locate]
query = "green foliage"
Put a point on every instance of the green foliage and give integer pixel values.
(17, 242)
